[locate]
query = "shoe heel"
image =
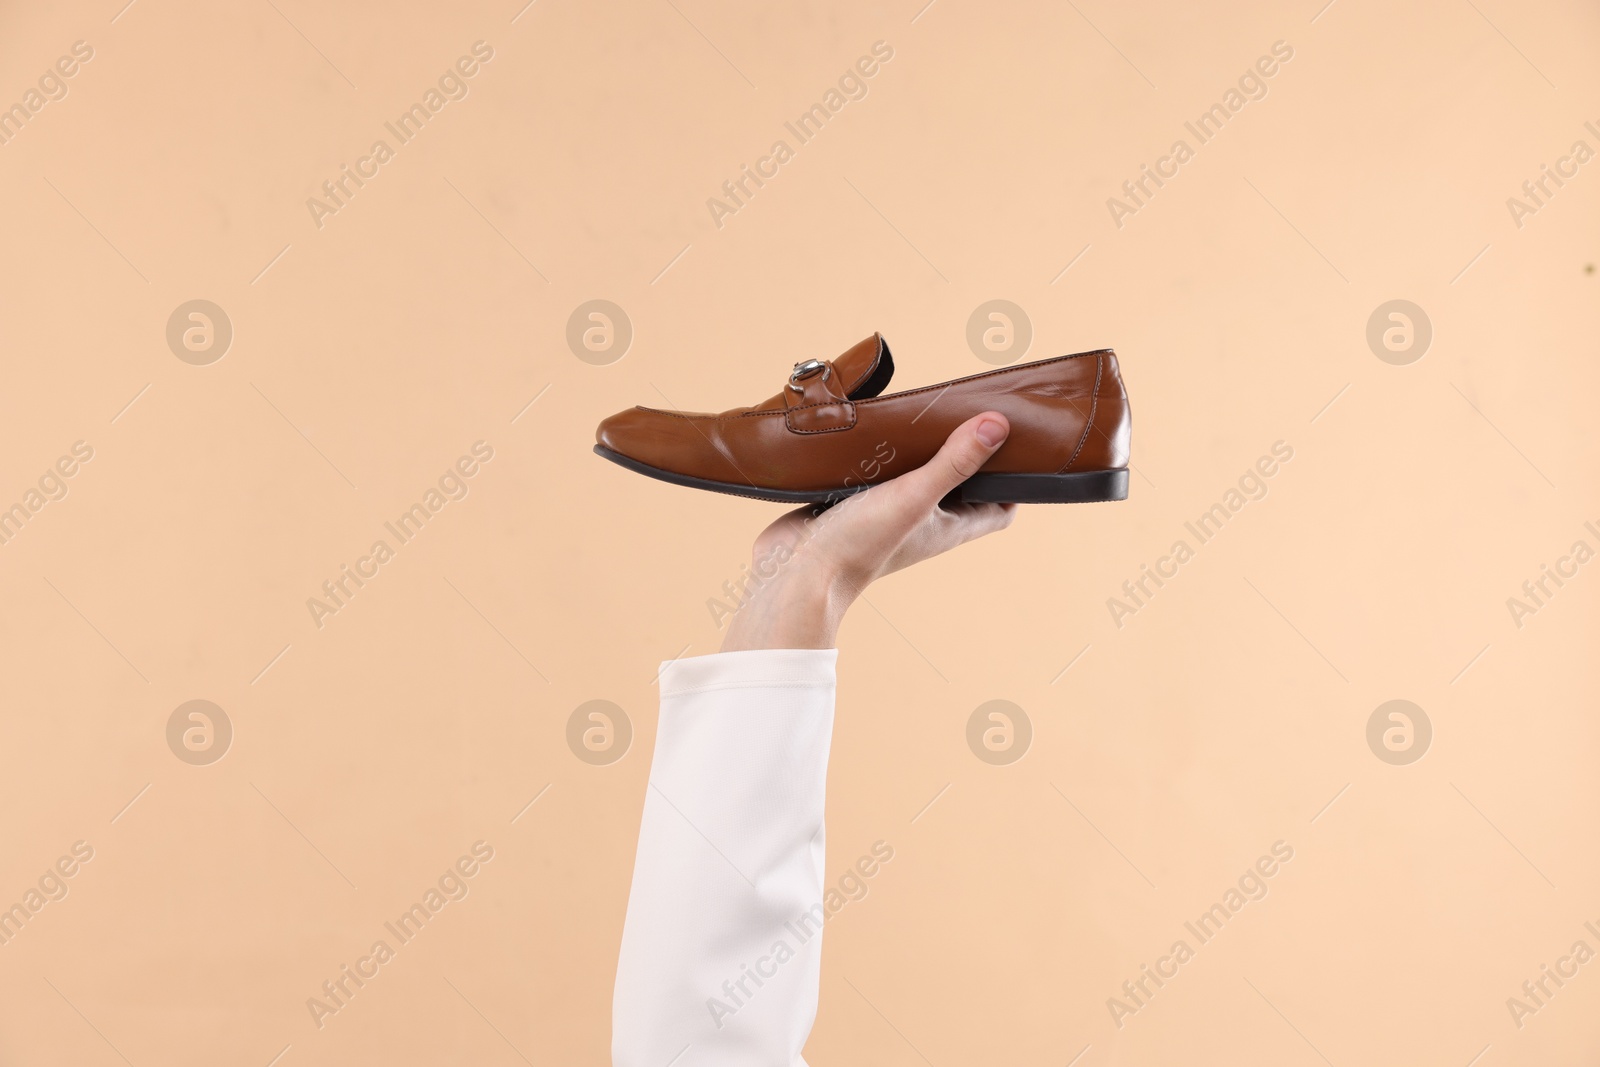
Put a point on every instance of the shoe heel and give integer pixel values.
(1083, 487)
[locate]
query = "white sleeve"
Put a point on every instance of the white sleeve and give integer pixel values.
(721, 949)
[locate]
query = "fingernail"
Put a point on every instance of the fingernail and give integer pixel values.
(991, 432)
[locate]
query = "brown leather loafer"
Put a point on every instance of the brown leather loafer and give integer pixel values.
(830, 432)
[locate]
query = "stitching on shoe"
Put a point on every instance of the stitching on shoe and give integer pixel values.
(1094, 404)
(986, 374)
(1098, 353)
(850, 404)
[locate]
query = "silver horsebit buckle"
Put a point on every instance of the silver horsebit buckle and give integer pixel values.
(808, 369)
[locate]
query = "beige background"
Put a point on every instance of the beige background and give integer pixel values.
(426, 314)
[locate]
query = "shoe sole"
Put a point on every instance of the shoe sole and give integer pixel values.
(1083, 487)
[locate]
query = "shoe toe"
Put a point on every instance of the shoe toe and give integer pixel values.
(664, 439)
(620, 433)
(681, 442)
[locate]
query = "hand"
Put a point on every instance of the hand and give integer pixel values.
(824, 558)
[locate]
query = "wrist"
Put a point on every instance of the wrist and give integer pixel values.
(801, 607)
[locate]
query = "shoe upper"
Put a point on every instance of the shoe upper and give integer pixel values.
(832, 426)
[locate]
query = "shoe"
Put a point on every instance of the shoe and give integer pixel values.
(831, 432)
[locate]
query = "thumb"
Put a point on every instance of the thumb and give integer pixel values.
(966, 450)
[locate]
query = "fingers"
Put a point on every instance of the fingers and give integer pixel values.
(802, 514)
(951, 526)
(977, 520)
(788, 530)
(963, 453)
